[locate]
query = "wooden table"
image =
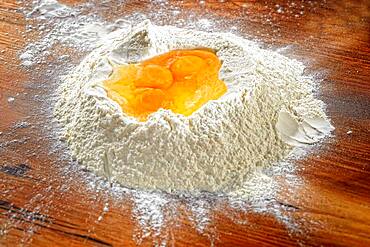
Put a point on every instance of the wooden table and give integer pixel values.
(331, 208)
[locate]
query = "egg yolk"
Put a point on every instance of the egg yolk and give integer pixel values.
(180, 81)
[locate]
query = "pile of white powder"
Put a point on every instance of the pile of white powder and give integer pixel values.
(57, 35)
(269, 109)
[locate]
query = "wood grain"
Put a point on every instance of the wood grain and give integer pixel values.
(333, 205)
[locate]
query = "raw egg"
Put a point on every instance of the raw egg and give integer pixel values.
(180, 80)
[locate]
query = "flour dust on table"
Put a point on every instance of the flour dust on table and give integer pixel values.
(227, 158)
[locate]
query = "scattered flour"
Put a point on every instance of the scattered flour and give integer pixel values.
(65, 26)
(268, 108)
(81, 28)
(11, 99)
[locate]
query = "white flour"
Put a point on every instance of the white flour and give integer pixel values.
(57, 33)
(268, 108)
(65, 26)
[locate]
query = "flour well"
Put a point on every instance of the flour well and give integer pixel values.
(268, 109)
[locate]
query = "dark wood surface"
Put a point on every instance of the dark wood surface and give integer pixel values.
(333, 206)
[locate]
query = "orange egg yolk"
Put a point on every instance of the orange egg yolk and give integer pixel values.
(180, 80)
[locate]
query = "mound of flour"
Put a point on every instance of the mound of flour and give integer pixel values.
(268, 109)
